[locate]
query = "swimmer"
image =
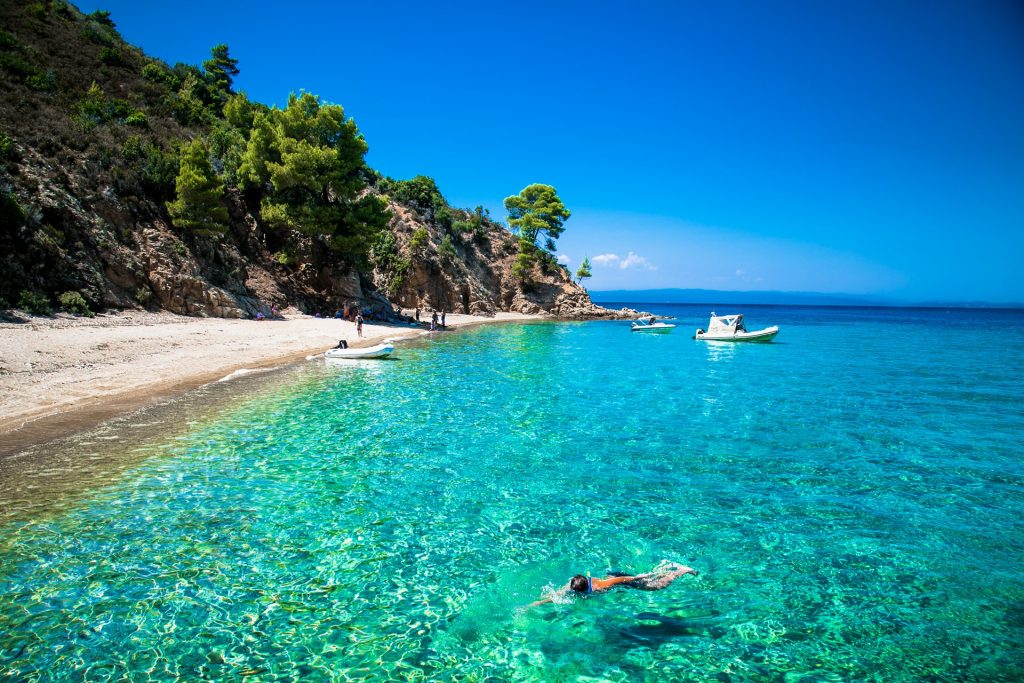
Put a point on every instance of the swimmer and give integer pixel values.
(661, 577)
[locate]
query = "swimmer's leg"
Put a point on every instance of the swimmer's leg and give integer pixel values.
(655, 581)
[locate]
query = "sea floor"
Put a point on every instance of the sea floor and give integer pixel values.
(853, 505)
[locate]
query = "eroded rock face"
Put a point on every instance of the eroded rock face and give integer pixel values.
(177, 284)
(478, 279)
(122, 254)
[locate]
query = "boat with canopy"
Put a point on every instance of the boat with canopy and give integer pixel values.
(732, 328)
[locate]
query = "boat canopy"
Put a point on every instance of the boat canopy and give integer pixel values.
(725, 323)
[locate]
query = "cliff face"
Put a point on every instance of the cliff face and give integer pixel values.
(87, 162)
(475, 275)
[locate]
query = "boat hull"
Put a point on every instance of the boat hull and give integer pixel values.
(379, 351)
(657, 328)
(765, 335)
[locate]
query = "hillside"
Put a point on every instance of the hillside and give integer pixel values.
(95, 138)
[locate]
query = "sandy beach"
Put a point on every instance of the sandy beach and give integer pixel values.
(62, 374)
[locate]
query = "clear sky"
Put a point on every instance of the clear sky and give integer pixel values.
(869, 147)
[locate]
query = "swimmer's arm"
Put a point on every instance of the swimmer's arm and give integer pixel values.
(551, 598)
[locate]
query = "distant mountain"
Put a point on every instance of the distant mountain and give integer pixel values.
(713, 296)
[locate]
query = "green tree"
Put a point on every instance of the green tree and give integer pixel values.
(220, 70)
(229, 137)
(239, 112)
(387, 258)
(418, 241)
(584, 270)
(74, 302)
(227, 145)
(475, 224)
(421, 190)
(447, 249)
(306, 162)
(187, 104)
(525, 259)
(198, 207)
(536, 212)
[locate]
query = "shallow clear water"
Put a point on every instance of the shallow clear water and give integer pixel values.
(853, 496)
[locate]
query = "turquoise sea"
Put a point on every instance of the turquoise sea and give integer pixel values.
(852, 495)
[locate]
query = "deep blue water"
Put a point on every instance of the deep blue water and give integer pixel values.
(852, 495)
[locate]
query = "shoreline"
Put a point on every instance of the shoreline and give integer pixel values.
(62, 375)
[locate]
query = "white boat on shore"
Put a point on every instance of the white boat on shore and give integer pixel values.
(377, 351)
(731, 328)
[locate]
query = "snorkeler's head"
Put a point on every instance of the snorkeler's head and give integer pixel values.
(579, 584)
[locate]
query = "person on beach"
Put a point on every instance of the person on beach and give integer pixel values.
(661, 577)
(433, 321)
(442, 319)
(417, 314)
(359, 324)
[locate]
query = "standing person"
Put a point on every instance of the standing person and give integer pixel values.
(417, 314)
(433, 321)
(442, 319)
(359, 324)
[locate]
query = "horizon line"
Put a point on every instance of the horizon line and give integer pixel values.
(837, 299)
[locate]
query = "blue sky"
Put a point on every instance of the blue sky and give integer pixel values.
(864, 147)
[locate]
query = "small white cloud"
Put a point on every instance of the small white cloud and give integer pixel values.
(633, 260)
(740, 272)
(564, 259)
(605, 259)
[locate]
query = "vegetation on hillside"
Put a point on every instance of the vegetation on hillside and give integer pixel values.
(99, 142)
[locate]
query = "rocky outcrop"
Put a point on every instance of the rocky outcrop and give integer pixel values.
(475, 275)
(121, 254)
(177, 283)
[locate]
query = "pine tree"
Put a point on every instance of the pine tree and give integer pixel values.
(198, 207)
(534, 212)
(306, 162)
(584, 270)
(221, 69)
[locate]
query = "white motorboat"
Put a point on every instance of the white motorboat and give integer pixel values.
(653, 327)
(731, 328)
(377, 351)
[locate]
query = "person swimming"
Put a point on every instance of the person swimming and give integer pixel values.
(660, 577)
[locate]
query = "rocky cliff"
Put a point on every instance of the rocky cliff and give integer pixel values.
(475, 276)
(88, 156)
